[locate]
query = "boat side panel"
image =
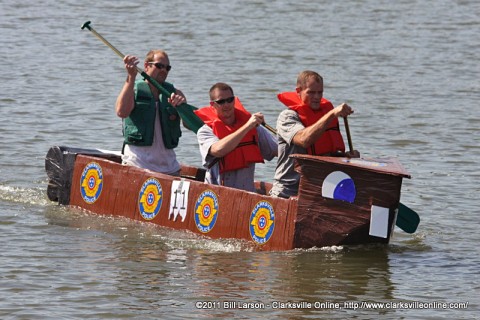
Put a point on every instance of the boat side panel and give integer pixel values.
(122, 193)
(125, 183)
(235, 208)
(292, 212)
(115, 195)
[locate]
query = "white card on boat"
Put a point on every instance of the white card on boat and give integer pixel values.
(379, 222)
(179, 199)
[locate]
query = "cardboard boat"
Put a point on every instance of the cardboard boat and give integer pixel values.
(341, 201)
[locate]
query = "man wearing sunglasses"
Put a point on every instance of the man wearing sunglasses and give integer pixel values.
(309, 125)
(151, 124)
(232, 140)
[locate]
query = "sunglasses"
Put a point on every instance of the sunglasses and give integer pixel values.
(226, 100)
(161, 66)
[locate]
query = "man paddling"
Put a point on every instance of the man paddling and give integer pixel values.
(231, 141)
(308, 126)
(151, 125)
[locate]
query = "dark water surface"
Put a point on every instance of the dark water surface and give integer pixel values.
(409, 68)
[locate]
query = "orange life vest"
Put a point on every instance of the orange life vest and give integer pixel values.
(331, 140)
(247, 151)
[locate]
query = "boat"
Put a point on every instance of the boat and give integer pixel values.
(341, 201)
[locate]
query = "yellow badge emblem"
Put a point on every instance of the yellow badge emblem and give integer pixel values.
(206, 211)
(262, 222)
(91, 182)
(150, 199)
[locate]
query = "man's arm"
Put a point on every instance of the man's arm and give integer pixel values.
(306, 137)
(226, 145)
(126, 100)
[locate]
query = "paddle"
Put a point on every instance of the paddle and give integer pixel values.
(269, 128)
(190, 119)
(407, 219)
(349, 137)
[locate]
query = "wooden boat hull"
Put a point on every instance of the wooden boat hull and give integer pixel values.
(98, 182)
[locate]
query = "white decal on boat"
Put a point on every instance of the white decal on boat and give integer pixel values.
(379, 221)
(366, 162)
(179, 199)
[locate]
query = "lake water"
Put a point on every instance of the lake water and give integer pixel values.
(410, 69)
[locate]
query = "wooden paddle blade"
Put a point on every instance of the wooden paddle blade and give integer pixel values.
(407, 219)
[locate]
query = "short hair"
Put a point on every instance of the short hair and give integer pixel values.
(220, 86)
(150, 55)
(305, 75)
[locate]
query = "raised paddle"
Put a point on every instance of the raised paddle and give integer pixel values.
(190, 119)
(407, 219)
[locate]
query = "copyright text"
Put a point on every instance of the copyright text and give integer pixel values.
(354, 305)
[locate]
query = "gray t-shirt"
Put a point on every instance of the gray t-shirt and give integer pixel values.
(239, 179)
(286, 179)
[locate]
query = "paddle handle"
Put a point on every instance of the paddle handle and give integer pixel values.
(185, 110)
(269, 128)
(99, 36)
(121, 55)
(349, 137)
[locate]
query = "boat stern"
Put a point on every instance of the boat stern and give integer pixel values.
(344, 201)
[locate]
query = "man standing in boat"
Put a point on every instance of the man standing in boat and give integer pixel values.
(232, 140)
(308, 126)
(151, 126)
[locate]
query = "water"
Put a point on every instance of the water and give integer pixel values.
(410, 70)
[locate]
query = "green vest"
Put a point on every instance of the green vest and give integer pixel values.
(138, 128)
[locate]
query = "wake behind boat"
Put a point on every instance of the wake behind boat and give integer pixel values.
(341, 201)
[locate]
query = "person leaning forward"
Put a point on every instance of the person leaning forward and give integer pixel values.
(151, 125)
(309, 126)
(231, 141)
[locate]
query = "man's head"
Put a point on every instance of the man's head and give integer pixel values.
(222, 100)
(157, 65)
(310, 88)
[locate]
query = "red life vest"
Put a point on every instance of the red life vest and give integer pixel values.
(247, 151)
(331, 140)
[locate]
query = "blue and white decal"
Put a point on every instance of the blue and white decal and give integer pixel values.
(340, 186)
